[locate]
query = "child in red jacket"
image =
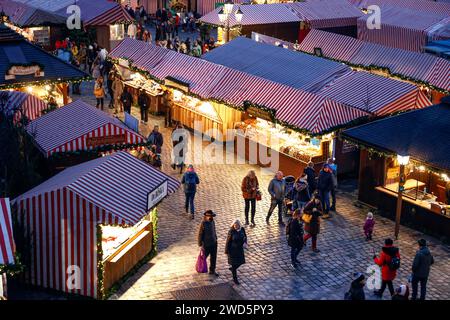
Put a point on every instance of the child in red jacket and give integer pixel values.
(388, 271)
(368, 226)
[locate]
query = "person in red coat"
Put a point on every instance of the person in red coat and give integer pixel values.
(387, 273)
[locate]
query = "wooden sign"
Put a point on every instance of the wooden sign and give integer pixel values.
(177, 84)
(260, 113)
(106, 140)
(155, 196)
(17, 70)
(392, 173)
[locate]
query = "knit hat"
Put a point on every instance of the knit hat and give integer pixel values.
(422, 242)
(209, 213)
(370, 215)
(403, 290)
(358, 276)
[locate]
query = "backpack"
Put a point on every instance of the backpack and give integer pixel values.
(394, 264)
(191, 182)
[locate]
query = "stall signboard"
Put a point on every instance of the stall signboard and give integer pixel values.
(22, 70)
(392, 173)
(131, 122)
(124, 63)
(256, 112)
(155, 196)
(106, 140)
(177, 84)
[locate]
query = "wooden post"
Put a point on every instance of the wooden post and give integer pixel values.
(65, 92)
(398, 213)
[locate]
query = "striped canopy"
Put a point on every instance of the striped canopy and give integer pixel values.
(117, 14)
(118, 183)
(20, 103)
(419, 66)
(6, 233)
(419, 5)
(68, 128)
(406, 28)
(21, 14)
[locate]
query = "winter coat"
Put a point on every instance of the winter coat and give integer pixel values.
(247, 185)
(368, 225)
(295, 237)
(156, 138)
(313, 227)
(277, 189)
(325, 182)
(387, 253)
(311, 179)
(117, 88)
(143, 101)
(334, 174)
(126, 99)
(234, 247)
(99, 91)
(190, 181)
(357, 290)
(207, 236)
(422, 263)
(179, 137)
(302, 191)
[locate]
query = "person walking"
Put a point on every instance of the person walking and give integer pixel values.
(294, 234)
(422, 263)
(389, 261)
(190, 181)
(109, 85)
(368, 226)
(249, 187)
(207, 239)
(180, 143)
(311, 216)
(156, 139)
(127, 100)
(277, 190)
(117, 88)
(234, 248)
(301, 194)
(356, 291)
(333, 168)
(99, 92)
(324, 185)
(143, 105)
(311, 177)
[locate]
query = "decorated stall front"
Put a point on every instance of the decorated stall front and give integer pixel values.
(16, 105)
(79, 131)
(7, 246)
(28, 68)
(417, 140)
(98, 223)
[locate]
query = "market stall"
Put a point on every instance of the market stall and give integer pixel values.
(28, 68)
(16, 104)
(7, 246)
(98, 222)
(79, 131)
(420, 140)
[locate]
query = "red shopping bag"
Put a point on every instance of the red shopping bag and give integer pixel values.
(201, 266)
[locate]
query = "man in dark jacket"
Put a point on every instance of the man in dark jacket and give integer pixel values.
(311, 177)
(294, 233)
(143, 105)
(156, 138)
(333, 168)
(190, 181)
(324, 185)
(207, 239)
(421, 269)
(277, 190)
(356, 291)
(127, 100)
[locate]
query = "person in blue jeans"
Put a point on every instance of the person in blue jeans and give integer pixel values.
(324, 186)
(277, 190)
(190, 181)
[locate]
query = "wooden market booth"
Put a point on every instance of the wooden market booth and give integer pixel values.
(424, 136)
(16, 105)
(95, 219)
(7, 245)
(78, 132)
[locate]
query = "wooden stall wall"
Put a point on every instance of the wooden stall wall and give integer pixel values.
(347, 159)
(103, 36)
(371, 175)
(284, 31)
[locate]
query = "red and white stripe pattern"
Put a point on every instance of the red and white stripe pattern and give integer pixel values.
(374, 94)
(439, 74)
(62, 214)
(68, 128)
(403, 28)
(21, 103)
(7, 247)
(418, 5)
(112, 16)
(205, 6)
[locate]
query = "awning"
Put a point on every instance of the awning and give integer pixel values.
(115, 15)
(18, 103)
(6, 233)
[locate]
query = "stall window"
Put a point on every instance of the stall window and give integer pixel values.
(117, 32)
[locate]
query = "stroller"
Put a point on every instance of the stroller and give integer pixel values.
(289, 195)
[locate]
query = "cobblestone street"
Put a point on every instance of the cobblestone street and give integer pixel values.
(267, 274)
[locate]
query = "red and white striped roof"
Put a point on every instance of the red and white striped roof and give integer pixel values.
(118, 183)
(419, 66)
(68, 128)
(20, 103)
(418, 5)
(383, 95)
(205, 6)
(7, 247)
(117, 14)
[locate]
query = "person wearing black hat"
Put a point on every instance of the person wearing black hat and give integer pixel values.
(421, 269)
(356, 291)
(207, 239)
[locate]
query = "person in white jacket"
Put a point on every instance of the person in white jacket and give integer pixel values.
(132, 30)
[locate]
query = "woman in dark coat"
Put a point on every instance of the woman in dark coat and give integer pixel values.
(234, 248)
(294, 232)
(249, 188)
(314, 208)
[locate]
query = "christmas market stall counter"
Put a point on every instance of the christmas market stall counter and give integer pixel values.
(407, 154)
(92, 223)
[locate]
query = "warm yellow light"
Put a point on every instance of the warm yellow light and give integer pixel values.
(402, 160)
(47, 87)
(177, 95)
(207, 108)
(422, 168)
(29, 89)
(445, 177)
